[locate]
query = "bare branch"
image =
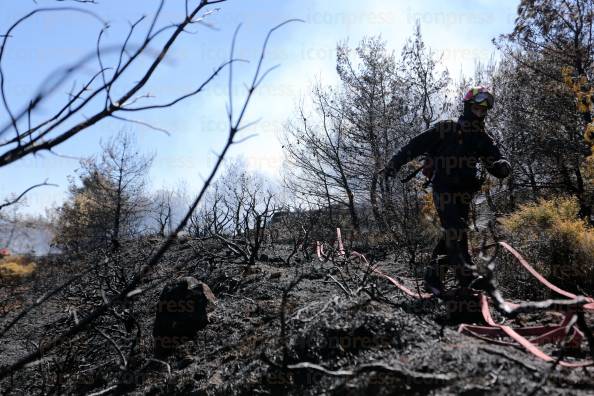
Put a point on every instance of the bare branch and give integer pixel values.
(131, 288)
(377, 366)
(42, 141)
(21, 195)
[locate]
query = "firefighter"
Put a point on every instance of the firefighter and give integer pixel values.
(453, 149)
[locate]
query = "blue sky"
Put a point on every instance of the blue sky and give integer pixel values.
(460, 30)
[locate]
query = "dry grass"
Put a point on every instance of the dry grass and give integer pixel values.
(16, 267)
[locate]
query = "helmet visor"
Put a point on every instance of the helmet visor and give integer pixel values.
(484, 99)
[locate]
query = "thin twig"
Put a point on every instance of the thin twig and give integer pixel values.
(21, 195)
(341, 286)
(378, 366)
(132, 287)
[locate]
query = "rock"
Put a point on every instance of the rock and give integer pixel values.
(264, 257)
(182, 311)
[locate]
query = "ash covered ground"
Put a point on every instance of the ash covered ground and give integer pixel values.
(304, 328)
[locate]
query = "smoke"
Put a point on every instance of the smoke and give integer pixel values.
(26, 237)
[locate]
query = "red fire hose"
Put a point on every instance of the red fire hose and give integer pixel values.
(493, 332)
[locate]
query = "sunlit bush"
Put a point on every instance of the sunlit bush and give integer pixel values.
(558, 243)
(16, 267)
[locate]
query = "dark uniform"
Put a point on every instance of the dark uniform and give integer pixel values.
(454, 148)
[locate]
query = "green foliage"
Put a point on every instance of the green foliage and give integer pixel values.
(84, 221)
(559, 243)
(108, 204)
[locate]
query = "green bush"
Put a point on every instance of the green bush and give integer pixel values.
(556, 242)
